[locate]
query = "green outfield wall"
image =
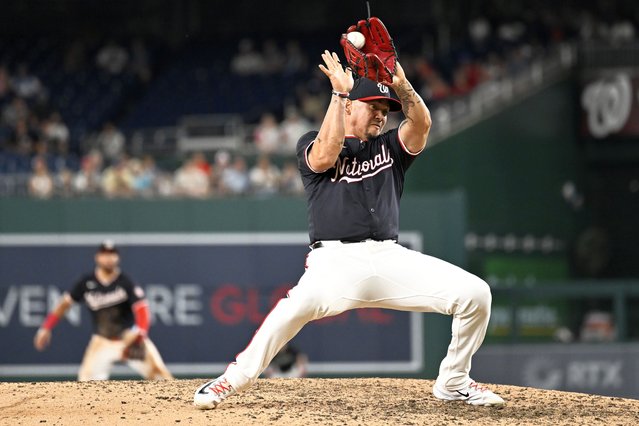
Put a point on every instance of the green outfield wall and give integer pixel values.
(438, 217)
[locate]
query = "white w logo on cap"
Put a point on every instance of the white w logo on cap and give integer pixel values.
(382, 88)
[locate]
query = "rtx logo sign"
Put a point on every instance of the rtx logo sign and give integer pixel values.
(581, 376)
(594, 374)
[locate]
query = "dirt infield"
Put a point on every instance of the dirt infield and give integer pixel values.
(363, 402)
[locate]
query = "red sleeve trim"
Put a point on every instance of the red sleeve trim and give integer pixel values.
(50, 321)
(142, 316)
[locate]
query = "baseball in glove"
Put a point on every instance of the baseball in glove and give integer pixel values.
(135, 350)
(377, 59)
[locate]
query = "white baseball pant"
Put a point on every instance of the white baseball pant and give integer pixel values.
(101, 353)
(374, 274)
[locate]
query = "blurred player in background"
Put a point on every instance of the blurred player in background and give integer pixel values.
(289, 362)
(121, 320)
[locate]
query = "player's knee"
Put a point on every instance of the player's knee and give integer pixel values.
(481, 296)
(303, 308)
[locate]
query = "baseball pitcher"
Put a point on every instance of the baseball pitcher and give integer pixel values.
(353, 174)
(120, 316)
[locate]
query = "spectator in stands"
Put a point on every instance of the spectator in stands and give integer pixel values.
(266, 134)
(479, 30)
(312, 98)
(621, 31)
(26, 85)
(112, 58)
(494, 67)
(461, 86)
(202, 163)
(56, 133)
(144, 176)
(117, 179)
(110, 141)
(435, 88)
(291, 181)
(75, 57)
(24, 137)
(432, 85)
(296, 61)
(164, 184)
(5, 84)
(598, 326)
(40, 181)
(511, 31)
(140, 65)
(518, 60)
(234, 179)
(88, 179)
(15, 111)
(191, 181)
(292, 127)
(40, 147)
(272, 56)
(264, 177)
(63, 182)
(221, 161)
(247, 60)
(475, 72)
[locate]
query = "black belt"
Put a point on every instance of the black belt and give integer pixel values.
(318, 244)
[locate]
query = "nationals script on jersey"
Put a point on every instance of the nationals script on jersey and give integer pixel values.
(367, 179)
(109, 303)
(350, 170)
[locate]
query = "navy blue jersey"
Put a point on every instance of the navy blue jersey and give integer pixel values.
(110, 304)
(358, 198)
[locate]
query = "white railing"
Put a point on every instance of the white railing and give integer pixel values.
(210, 132)
(454, 115)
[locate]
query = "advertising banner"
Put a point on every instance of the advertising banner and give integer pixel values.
(601, 369)
(208, 294)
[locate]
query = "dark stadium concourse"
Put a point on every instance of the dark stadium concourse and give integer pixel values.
(171, 18)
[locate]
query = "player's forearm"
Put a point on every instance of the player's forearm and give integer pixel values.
(417, 115)
(57, 313)
(330, 139)
(65, 304)
(413, 106)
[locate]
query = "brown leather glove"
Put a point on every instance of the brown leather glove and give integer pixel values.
(136, 350)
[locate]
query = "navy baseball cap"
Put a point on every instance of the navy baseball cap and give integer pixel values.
(365, 90)
(107, 246)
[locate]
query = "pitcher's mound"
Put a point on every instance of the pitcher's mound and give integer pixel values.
(366, 401)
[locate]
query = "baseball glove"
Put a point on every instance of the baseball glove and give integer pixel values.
(377, 59)
(135, 350)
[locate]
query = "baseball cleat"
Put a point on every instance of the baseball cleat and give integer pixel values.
(210, 394)
(473, 394)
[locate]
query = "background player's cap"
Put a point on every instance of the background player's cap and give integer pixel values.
(365, 89)
(107, 246)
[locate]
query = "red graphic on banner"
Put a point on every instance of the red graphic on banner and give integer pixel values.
(231, 304)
